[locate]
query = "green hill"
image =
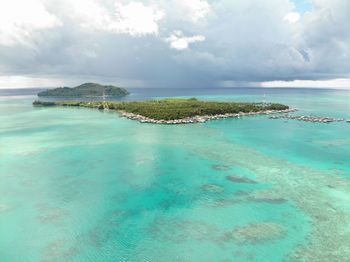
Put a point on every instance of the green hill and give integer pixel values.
(85, 90)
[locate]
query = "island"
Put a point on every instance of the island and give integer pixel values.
(177, 111)
(85, 90)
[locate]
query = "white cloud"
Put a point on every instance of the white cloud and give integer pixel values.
(19, 20)
(32, 81)
(192, 10)
(343, 83)
(133, 18)
(292, 17)
(88, 13)
(17, 81)
(178, 41)
(136, 19)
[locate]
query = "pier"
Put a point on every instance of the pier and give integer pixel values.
(313, 119)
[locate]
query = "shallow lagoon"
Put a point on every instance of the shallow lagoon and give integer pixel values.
(84, 185)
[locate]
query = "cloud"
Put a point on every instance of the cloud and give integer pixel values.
(334, 83)
(292, 17)
(178, 41)
(193, 10)
(136, 19)
(133, 18)
(175, 42)
(17, 25)
(326, 39)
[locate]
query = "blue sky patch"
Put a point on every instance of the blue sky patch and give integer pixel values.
(303, 6)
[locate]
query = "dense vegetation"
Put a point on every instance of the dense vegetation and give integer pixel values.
(169, 109)
(87, 89)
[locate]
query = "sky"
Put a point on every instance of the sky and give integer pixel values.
(175, 43)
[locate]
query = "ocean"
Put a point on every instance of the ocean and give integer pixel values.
(86, 185)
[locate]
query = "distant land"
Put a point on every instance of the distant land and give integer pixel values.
(85, 90)
(178, 111)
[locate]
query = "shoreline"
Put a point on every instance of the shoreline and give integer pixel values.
(178, 111)
(200, 119)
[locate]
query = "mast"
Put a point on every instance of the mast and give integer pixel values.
(105, 105)
(264, 100)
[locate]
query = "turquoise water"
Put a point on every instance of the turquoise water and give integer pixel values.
(85, 185)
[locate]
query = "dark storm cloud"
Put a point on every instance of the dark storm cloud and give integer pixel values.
(209, 43)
